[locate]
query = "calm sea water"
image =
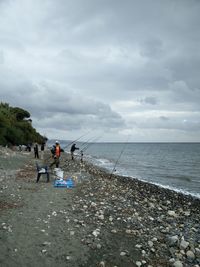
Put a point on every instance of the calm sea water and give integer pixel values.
(171, 165)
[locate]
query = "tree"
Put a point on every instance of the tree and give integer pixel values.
(20, 113)
(15, 129)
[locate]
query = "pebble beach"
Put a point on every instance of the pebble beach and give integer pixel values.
(103, 221)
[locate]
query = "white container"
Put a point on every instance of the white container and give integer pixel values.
(59, 173)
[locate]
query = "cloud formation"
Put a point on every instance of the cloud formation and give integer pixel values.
(119, 68)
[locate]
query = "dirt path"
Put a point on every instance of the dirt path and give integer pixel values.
(37, 223)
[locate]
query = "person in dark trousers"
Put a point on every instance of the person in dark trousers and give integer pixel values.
(73, 148)
(36, 153)
(81, 155)
(56, 150)
(42, 150)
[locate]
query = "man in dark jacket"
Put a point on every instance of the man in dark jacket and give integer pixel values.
(73, 148)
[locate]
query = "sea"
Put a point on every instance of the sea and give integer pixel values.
(175, 166)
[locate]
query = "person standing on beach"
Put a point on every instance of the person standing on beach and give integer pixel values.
(81, 155)
(36, 153)
(42, 150)
(73, 148)
(56, 151)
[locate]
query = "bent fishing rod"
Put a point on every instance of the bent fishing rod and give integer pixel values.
(86, 142)
(122, 151)
(77, 139)
(90, 143)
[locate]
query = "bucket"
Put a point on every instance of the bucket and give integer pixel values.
(59, 173)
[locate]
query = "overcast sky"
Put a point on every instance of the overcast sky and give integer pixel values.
(129, 69)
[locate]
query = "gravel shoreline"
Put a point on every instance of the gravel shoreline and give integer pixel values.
(103, 221)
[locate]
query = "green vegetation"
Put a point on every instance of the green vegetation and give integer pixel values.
(16, 127)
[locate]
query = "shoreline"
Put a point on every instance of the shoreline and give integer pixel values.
(103, 222)
(106, 173)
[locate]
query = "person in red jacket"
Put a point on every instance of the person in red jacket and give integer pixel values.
(56, 154)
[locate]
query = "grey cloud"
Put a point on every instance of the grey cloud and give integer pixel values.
(149, 100)
(72, 62)
(164, 118)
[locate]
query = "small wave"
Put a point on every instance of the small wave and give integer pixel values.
(178, 190)
(180, 177)
(105, 163)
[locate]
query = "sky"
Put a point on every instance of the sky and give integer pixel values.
(121, 70)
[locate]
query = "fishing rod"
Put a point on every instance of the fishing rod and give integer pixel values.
(77, 139)
(86, 142)
(122, 150)
(90, 142)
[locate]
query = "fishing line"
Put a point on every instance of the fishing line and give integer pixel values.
(122, 150)
(90, 143)
(77, 139)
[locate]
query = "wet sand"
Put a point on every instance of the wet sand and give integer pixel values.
(103, 221)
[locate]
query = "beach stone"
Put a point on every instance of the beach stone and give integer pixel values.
(93, 204)
(46, 243)
(172, 240)
(98, 246)
(102, 264)
(197, 252)
(184, 244)
(178, 264)
(172, 260)
(138, 246)
(101, 217)
(150, 243)
(190, 255)
(72, 233)
(172, 213)
(138, 263)
(95, 233)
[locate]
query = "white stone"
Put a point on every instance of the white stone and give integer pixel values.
(172, 213)
(187, 213)
(101, 217)
(102, 264)
(98, 246)
(122, 253)
(178, 264)
(72, 232)
(190, 254)
(184, 244)
(138, 246)
(95, 233)
(138, 263)
(110, 218)
(150, 243)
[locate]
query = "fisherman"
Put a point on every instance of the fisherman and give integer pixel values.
(81, 155)
(56, 150)
(42, 150)
(73, 148)
(36, 152)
